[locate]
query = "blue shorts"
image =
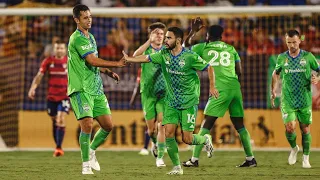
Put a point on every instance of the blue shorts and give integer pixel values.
(54, 107)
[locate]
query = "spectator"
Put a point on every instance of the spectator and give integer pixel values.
(112, 50)
(48, 50)
(260, 44)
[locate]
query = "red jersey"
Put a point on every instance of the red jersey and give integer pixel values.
(58, 79)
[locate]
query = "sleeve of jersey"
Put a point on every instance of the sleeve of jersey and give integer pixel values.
(84, 46)
(314, 63)
(155, 57)
(278, 65)
(44, 66)
(199, 63)
(197, 49)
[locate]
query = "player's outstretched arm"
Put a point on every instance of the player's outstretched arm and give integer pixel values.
(196, 25)
(141, 58)
(111, 74)
(36, 81)
(212, 81)
(275, 78)
(98, 62)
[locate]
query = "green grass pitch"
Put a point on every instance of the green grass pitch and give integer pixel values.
(131, 166)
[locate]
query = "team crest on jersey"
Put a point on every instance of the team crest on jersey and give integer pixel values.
(64, 66)
(286, 64)
(52, 65)
(182, 63)
(286, 71)
(167, 60)
(303, 62)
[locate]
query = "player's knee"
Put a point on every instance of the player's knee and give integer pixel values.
(151, 131)
(289, 129)
(169, 134)
(187, 139)
(305, 130)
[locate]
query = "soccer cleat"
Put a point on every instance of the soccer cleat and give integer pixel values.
(177, 170)
(293, 155)
(144, 152)
(208, 146)
(93, 161)
(189, 163)
(305, 161)
(86, 168)
(58, 152)
(247, 163)
(160, 163)
(154, 150)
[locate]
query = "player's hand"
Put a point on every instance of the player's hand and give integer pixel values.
(31, 94)
(122, 62)
(214, 92)
(273, 97)
(115, 76)
(125, 55)
(153, 35)
(196, 24)
(314, 79)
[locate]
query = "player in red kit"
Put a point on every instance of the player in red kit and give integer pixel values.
(58, 102)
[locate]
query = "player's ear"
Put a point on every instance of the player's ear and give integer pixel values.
(76, 20)
(179, 40)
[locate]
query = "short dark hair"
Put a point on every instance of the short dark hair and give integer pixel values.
(178, 33)
(156, 25)
(215, 32)
(78, 8)
(59, 42)
(293, 32)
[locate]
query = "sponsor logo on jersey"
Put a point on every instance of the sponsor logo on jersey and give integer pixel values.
(174, 72)
(297, 70)
(182, 63)
(86, 47)
(303, 62)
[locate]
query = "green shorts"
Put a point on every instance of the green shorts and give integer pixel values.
(304, 115)
(185, 117)
(151, 106)
(86, 105)
(229, 99)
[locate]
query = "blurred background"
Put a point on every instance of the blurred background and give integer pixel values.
(25, 40)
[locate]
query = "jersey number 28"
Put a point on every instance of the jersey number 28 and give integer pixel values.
(224, 57)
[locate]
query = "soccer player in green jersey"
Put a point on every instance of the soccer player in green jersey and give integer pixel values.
(226, 63)
(295, 69)
(179, 67)
(152, 89)
(85, 87)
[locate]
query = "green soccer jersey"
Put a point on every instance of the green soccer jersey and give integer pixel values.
(152, 81)
(296, 78)
(222, 57)
(183, 84)
(81, 75)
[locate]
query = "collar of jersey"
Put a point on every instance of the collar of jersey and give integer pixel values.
(295, 57)
(183, 49)
(156, 48)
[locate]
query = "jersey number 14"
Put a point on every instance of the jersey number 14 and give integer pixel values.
(224, 58)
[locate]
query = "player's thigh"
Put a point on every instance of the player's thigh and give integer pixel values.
(52, 108)
(188, 118)
(82, 104)
(100, 106)
(236, 104)
(304, 115)
(148, 106)
(159, 109)
(217, 107)
(288, 113)
(171, 116)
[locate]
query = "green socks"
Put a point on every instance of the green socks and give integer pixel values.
(291, 137)
(84, 141)
(99, 138)
(161, 148)
(198, 148)
(306, 143)
(173, 151)
(245, 140)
